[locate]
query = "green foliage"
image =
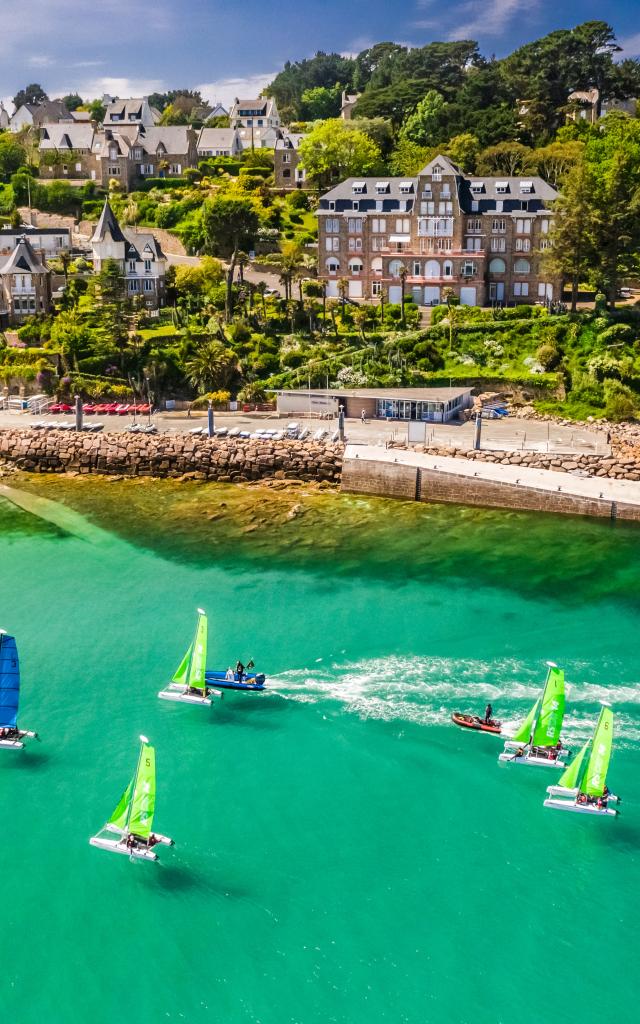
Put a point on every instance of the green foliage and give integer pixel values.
(620, 401)
(426, 125)
(12, 155)
(334, 150)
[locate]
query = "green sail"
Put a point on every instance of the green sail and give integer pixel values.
(549, 722)
(197, 666)
(523, 734)
(595, 776)
(570, 776)
(180, 674)
(119, 816)
(144, 794)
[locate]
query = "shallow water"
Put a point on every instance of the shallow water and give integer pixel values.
(342, 852)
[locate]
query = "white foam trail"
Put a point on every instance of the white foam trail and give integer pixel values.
(427, 690)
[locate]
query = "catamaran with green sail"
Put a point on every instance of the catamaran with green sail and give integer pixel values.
(583, 786)
(189, 683)
(129, 829)
(537, 741)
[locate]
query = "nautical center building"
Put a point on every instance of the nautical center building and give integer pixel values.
(428, 405)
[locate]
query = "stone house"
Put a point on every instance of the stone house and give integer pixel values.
(443, 231)
(286, 158)
(130, 156)
(25, 285)
(130, 112)
(214, 142)
(66, 150)
(138, 255)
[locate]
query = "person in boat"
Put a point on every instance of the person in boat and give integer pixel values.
(9, 732)
(240, 671)
(488, 714)
(229, 674)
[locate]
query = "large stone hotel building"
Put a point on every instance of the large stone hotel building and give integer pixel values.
(443, 231)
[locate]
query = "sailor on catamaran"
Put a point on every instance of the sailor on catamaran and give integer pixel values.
(537, 741)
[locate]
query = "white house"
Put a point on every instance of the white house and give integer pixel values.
(257, 121)
(138, 255)
(218, 142)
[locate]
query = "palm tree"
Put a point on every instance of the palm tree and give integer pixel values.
(343, 291)
(212, 368)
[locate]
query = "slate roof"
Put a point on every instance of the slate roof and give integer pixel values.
(66, 135)
(107, 225)
(216, 138)
(23, 259)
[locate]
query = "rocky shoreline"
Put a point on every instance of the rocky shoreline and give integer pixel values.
(175, 456)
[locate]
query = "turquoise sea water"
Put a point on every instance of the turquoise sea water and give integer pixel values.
(343, 853)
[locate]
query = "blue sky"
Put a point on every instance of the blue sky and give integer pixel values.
(233, 47)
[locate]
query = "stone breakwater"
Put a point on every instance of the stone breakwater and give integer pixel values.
(227, 460)
(618, 466)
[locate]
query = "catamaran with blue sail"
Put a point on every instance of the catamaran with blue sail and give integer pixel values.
(129, 829)
(537, 741)
(583, 786)
(189, 683)
(11, 736)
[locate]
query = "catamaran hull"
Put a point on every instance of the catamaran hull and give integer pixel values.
(17, 744)
(571, 805)
(561, 791)
(178, 695)
(543, 762)
(116, 846)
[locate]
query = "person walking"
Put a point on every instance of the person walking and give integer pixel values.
(363, 416)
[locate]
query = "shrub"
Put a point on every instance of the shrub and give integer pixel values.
(548, 356)
(620, 401)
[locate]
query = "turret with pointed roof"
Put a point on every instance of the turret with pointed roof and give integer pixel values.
(107, 226)
(25, 284)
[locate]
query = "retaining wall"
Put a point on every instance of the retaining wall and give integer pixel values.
(362, 476)
(170, 455)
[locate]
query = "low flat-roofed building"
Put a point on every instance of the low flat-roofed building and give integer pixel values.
(428, 405)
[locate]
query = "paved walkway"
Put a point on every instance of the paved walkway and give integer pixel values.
(626, 491)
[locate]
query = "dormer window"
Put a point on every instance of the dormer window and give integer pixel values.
(406, 187)
(477, 186)
(382, 187)
(356, 204)
(502, 187)
(436, 174)
(526, 186)
(358, 186)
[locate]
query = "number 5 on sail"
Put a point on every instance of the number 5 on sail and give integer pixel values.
(10, 735)
(583, 786)
(128, 830)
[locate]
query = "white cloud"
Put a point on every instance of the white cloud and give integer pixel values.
(123, 87)
(630, 46)
(480, 17)
(225, 90)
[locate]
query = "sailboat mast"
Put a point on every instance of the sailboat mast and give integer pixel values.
(534, 724)
(143, 740)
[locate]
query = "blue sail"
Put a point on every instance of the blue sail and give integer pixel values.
(9, 681)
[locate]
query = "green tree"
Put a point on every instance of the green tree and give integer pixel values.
(334, 150)
(463, 150)
(229, 224)
(508, 158)
(71, 336)
(409, 158)
(12, 156)
(72, 101)
(425, 125)
(554, 161)
(320, 102)
(572, 236)
(212, 368)
(33, 93)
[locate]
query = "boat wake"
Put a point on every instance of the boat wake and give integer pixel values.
(427, 690)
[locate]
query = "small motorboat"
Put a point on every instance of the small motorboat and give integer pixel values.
(225, 681)
(477, 723)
